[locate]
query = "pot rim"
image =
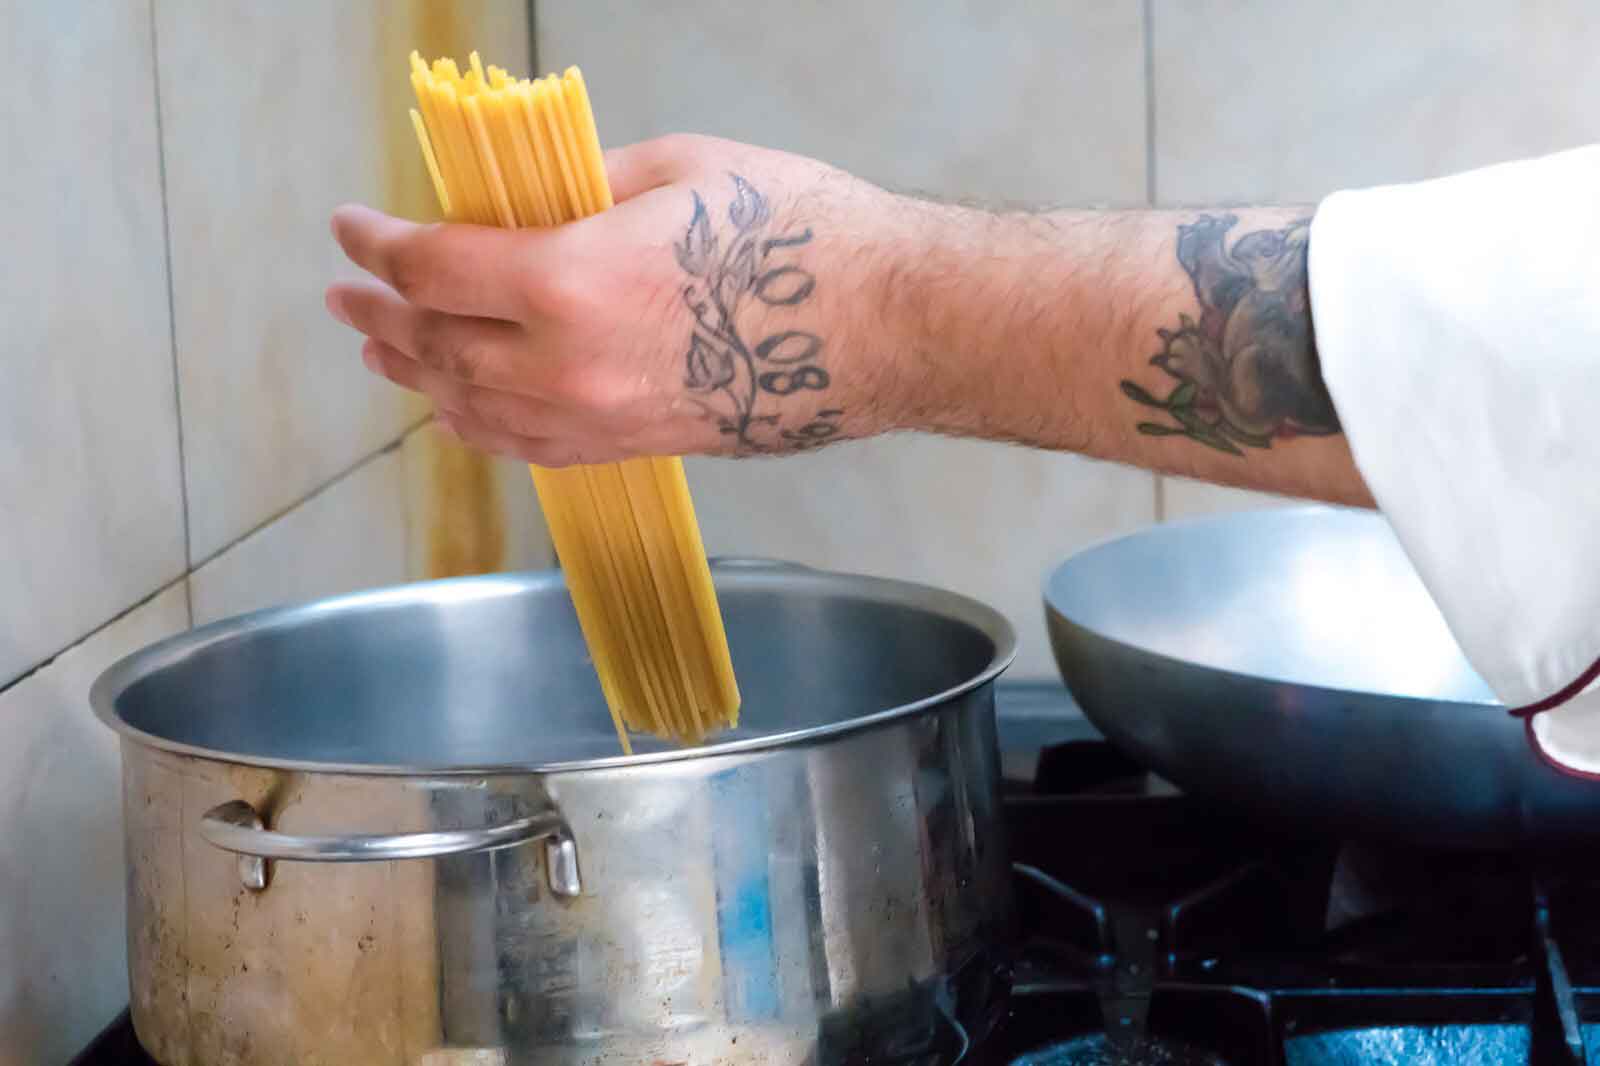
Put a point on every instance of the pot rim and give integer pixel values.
(122, 674)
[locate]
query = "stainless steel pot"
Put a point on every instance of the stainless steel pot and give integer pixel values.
(393, 828)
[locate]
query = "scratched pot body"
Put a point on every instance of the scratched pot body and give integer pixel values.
(393, 828)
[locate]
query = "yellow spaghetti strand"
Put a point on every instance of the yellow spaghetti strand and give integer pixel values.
(431, 162)
(512, 152)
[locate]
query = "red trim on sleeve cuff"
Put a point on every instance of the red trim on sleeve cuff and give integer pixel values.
(1556, 699)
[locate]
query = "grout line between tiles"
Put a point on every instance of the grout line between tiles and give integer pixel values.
(102, 627)
(405, 508)
(314, 493)
(1149, 102)
(406, 475)
(533, 35)
(188, 594)
(172, 311)
(1160, 487)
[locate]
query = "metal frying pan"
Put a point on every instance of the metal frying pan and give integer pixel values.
(1292, 663)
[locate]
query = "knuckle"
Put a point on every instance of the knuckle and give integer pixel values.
(492, 410)
(582, 389)
(446, 345)
(562, 296)
(474, 404)
(679, 145)
(499, 412)
(464, 356)
(409, 273)
(605, 396)
(431, 341)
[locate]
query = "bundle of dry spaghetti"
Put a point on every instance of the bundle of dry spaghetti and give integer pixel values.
(509, 152)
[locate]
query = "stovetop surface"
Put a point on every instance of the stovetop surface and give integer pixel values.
(1160, 930)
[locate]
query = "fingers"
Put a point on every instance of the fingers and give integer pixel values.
(502, 423)
(541, 451)
(478, 351)
(465, 270)
(480, 368)
(446, 393)
(485, 271)
(522, 416)
(540, 345)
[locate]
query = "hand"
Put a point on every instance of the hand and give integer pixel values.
(718, 308)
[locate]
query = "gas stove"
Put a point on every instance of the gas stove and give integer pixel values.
(1159, 930)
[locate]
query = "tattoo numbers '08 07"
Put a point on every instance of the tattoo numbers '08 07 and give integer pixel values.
(767, 396)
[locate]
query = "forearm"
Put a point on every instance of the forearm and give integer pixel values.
(741, 301)
(1179, 341)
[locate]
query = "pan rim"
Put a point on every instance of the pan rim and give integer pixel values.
(1054, 610)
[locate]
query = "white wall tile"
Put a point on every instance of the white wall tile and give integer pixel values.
(383, 524)
(467, 513)
(1260, 100)
(273, 114)
(91, 518)
(1185, 498)
(1006, 103)
(985, 520)
(1039, 103)
(350, 536)
(62, 912)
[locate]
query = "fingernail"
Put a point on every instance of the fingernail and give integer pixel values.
(333, 221)
(369, 356)
(336, 307)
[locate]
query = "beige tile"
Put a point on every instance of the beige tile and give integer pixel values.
(467, 513)
(92, 519)
(64, 975)
(273, 114)
(425, 508)
(1263, 100)
(1184, 498)
(350, 536)
(1019, 102)
(982, 519)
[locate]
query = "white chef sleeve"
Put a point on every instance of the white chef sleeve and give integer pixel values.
(1458, 323)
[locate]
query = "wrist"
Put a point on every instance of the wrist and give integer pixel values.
(961, 289)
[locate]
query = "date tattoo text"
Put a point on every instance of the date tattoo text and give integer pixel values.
(767, 394)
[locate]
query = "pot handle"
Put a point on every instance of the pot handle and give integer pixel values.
(236, 826)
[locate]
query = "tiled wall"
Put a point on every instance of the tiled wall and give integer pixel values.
(1101, 101)
(185, 435)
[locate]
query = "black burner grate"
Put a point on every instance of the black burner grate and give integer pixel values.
(1163, 930)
